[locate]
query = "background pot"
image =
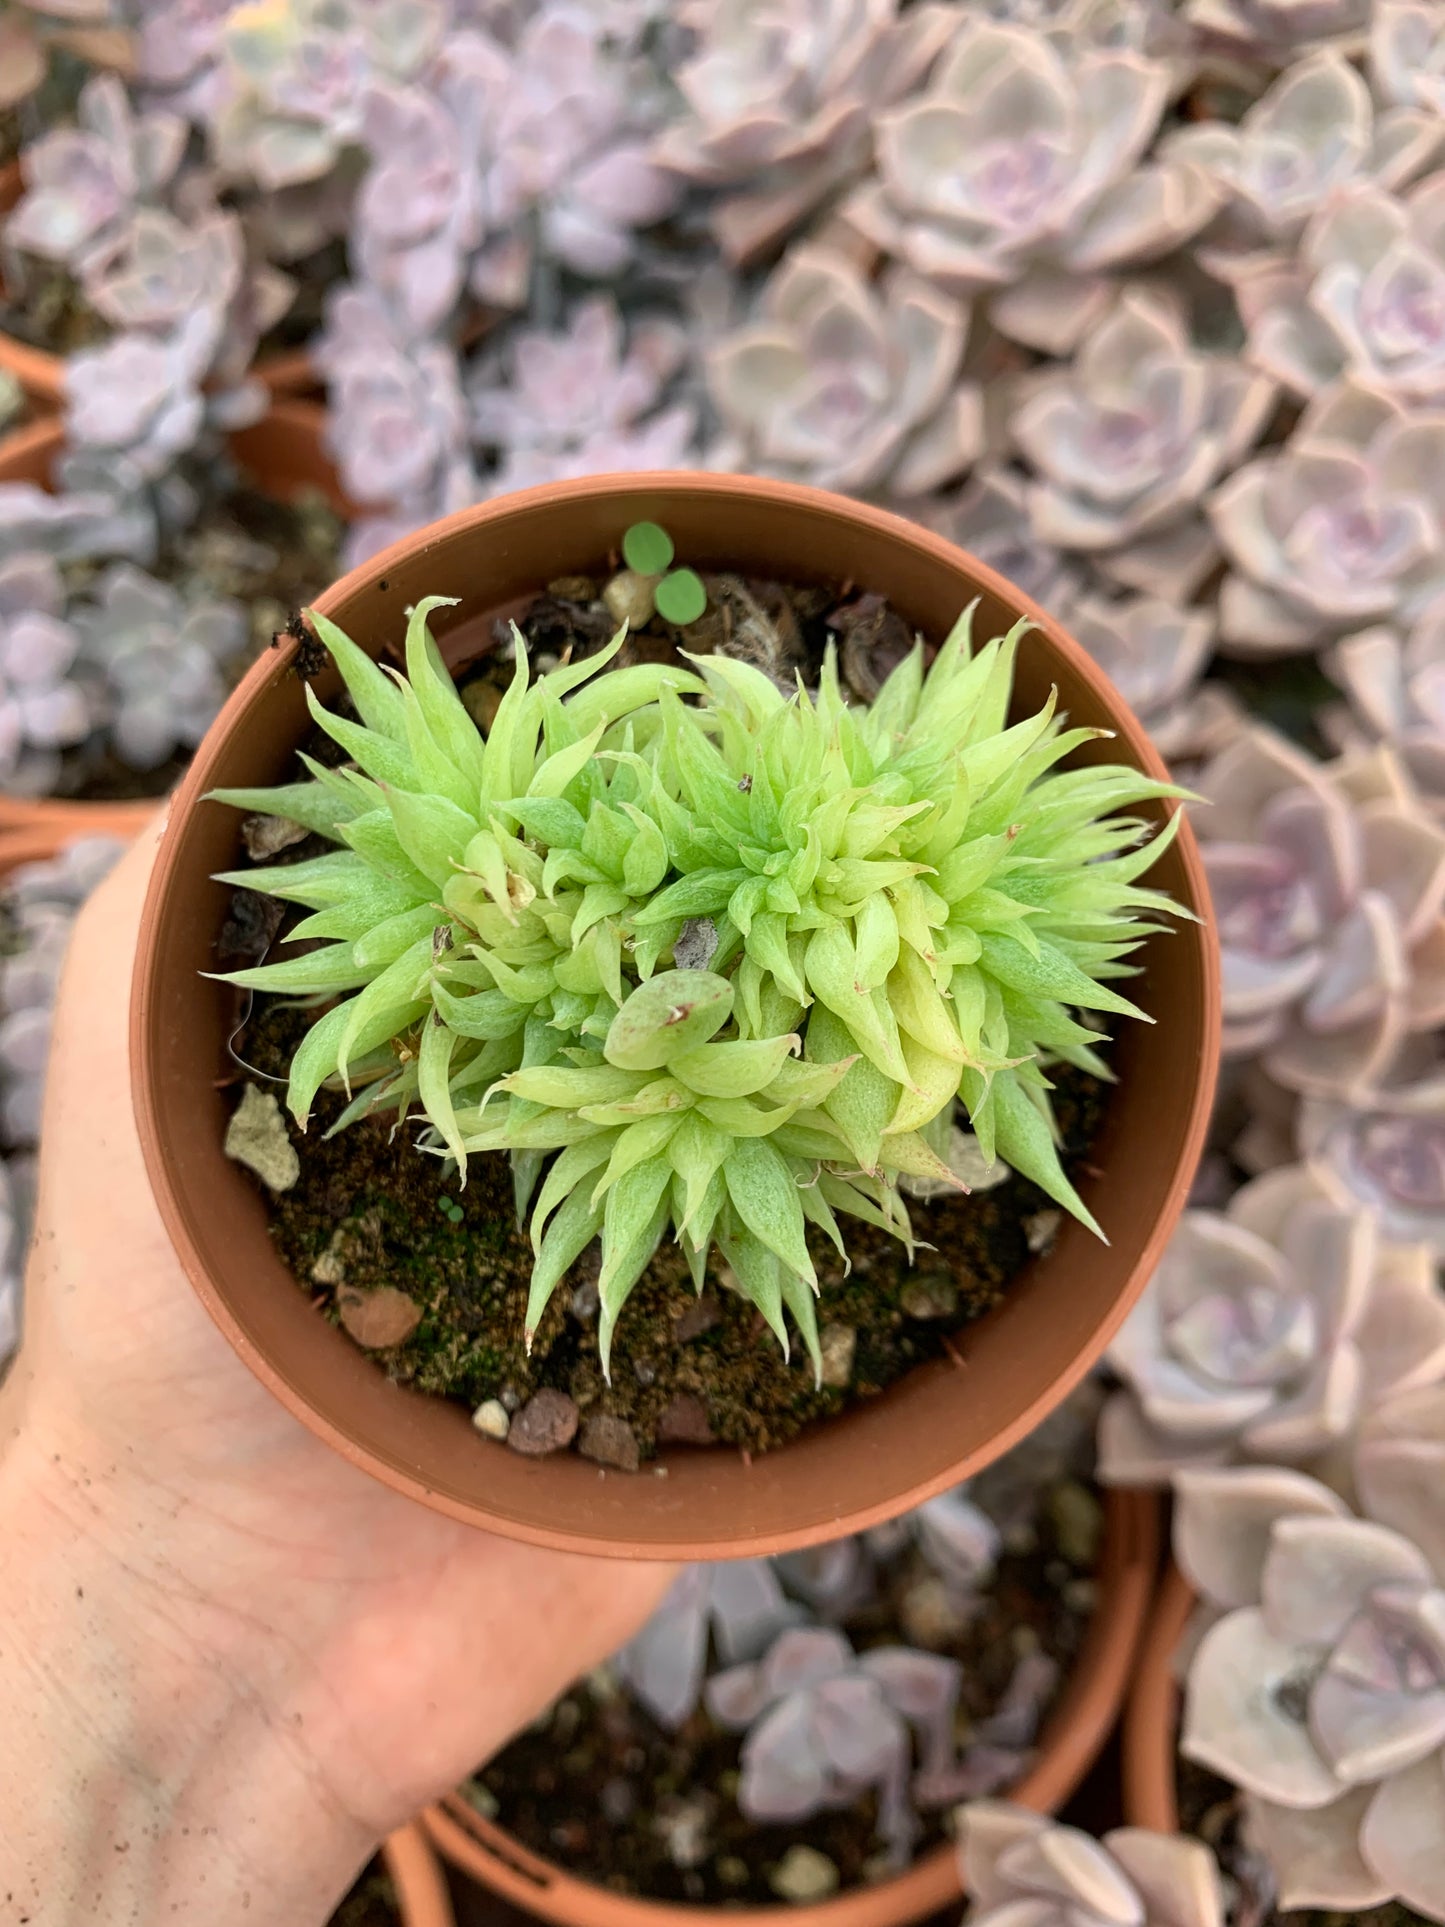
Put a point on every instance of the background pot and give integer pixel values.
(927, 1432)
(1071, 1741)
(285, 454)
(421, 1889)
(1151, 1722)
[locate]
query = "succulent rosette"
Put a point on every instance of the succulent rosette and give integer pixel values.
(731, 955)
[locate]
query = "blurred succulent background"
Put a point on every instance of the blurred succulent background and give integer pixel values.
(1143, 301)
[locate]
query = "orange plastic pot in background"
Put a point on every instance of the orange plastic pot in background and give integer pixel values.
(422, 1898)
(937, 1425)
(285, 453)
(42, 374)
(1071, 1741)
(1151, 1723)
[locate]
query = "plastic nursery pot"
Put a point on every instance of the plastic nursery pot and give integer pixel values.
(42, 374)
(422, 1898)
(284, 452)
(1151, 1723)
(1072, 1739)
(884, 1455)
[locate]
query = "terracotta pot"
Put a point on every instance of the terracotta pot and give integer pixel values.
(942, 1421)
(421, 1889)
(1071, 1742)
(284, 451)
(1151, 1722)
(42, 374)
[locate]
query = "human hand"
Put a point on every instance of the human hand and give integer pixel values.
(229, 1661)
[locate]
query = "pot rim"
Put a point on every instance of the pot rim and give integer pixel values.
(1151, 1718)
(1073, 1737)
(422, 1896)
(675, 1541)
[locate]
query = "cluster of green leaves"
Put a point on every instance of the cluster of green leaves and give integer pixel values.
(892, 908)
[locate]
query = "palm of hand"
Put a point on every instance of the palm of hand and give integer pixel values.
(397, 1646)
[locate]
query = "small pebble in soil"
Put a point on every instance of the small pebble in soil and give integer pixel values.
(931, 1616)
(266, 836)
(933, 1295)
(546, 1423)
(491, 1419)
(380, 1318)
(1041, 1228)
(609, 1441)
(838, 1344)
(804, 1875)
(330, 1268)
(684, 1422)
(257, 1137)
(697, 1319)
(696, 945)
(686, 1826)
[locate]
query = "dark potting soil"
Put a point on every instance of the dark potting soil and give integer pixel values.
(371, 1902)
(601, 1789)
(370, 1212)
(246, 546)
(42, 305)
(1211, 1809)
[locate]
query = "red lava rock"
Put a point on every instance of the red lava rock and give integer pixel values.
(546, 1423)
(378, 1319)
(697, 1319)
(685, 1422)
(610, 1441)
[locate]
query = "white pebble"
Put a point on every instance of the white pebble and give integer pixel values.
(491, 1418)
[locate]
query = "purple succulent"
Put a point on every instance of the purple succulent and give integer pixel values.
(824, 1726)
(571, 147)
(1022, 1870)
(160, 662)
(1126, 441)
(84, 184)
(1267, 1332)
(1407, 54)
(581, 402)
(1365, 296)
(1319, 1688)
(41, 899)
(781, 99)
(1272, 33)
(179, 47)
(1341, 527)
(99, 507)
(990, 518)
(739, 1604)
(297, 78)
(42, 708)
(139, 396)
(1330, 907)
(1154, 652)
(1396, 687)
(1017, 172)
(1314, 132)
(1389, 1149)
(847, 384)
(397, 421)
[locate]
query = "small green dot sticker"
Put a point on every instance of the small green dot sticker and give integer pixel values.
(680, 597)
(647, 548)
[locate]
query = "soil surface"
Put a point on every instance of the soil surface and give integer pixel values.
(368, 1212)
(600, 1788)
(371, 1902)
(1211, 1809)
(272, 556)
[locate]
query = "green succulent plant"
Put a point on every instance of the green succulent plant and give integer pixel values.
(725, 957)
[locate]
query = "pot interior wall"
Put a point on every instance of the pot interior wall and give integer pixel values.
(929, 1430)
